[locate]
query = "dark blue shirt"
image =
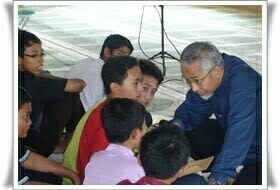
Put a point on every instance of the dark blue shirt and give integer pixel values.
(237, 106)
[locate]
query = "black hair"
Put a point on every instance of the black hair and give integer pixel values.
(23, 96)
(115, 41)
(120, 116)
(163, 151)
(26, 39)
(151, 69)
(115, 70)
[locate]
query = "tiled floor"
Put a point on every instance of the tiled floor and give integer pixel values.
(70, 33)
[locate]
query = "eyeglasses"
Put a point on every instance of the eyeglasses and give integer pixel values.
(198, 82)
(35, 56)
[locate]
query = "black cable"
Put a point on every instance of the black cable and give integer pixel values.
(140, 30)
(146, 54)
(140, 33)
(166, 33)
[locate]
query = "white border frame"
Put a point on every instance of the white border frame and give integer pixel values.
(264, 95)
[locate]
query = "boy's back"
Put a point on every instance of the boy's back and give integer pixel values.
(116, 162)
(90, 71)
(93, 139)
(71, 152)
(124, 124)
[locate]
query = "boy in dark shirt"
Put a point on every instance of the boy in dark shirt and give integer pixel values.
(51, 97)
(28, 159)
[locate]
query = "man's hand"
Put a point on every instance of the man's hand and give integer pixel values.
(213, 181)
(230, 181)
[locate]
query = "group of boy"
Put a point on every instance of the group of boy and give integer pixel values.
(124, 123)
(107, 120)
(122, 78)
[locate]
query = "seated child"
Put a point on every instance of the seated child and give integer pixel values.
(122, 78)
(164, 153)
(124, 124)
(28, 159)
(51, 96)
(89, 69)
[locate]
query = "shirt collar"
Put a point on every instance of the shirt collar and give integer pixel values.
(224, 79)
(120, 149)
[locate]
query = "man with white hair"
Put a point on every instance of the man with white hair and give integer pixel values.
(229, 88)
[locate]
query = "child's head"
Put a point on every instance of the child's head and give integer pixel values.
(115, 45)
(124, 120)
(24, 111)
(164, 152)
(152, 77)
(30, 52)
(122, 77)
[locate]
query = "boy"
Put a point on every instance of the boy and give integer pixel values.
(51, 96)
(164, 152)
(152, 78)
(90, 69)
(124, 124)
(31, 160)
(122, 78)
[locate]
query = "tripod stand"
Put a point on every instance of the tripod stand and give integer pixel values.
(163, 53)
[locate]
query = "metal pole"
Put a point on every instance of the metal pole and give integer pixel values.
(162, 41)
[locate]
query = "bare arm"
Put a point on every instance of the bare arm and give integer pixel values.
(75, 85)
(72, 85)
(39, 163)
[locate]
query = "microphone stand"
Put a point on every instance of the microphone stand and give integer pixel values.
(163, 54)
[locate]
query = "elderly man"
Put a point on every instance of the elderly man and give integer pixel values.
(229, 88)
